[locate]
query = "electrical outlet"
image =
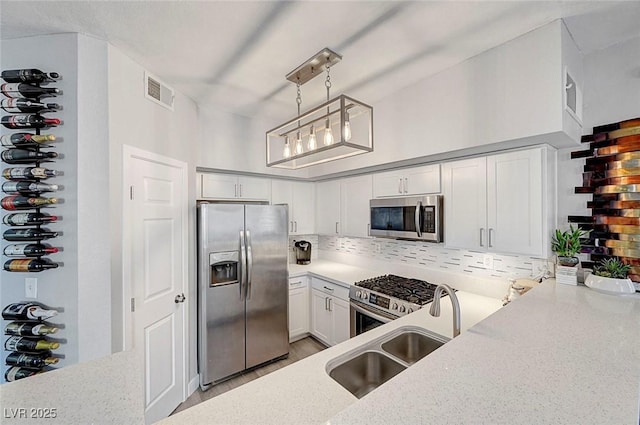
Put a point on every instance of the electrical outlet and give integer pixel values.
(487, 261)
(31, 287)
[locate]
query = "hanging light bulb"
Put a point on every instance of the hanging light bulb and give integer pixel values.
(298, 143)
(312, 144)
(286, 153)
(347, 127)
(328, 135)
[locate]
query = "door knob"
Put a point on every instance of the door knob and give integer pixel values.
(180, 298)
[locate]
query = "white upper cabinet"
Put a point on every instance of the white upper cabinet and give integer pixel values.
(328, 207)
(355, 196)
(300, 197)
(408, 181)
(230, 186)
(342, 206)
(499, 203)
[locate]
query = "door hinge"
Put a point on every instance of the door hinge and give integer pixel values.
(131, 192)
(133, 305)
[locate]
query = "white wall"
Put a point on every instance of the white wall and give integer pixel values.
(139, 122)
(611, 94)
(58, 287)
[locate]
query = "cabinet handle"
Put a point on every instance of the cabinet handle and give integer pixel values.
(337, 227)
(400, 185)
(296, 224)
(326, 303)
(295, 283)
(481, 234)
(291, 222)
(235, 190)
(241, 190)
(330, 309)
(406, 185)
(328, 289)
(490, 244)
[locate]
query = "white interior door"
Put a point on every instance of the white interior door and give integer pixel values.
(155, 258)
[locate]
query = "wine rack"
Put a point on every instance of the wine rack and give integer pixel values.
(23, 192)
(612, 178)
(24, 198)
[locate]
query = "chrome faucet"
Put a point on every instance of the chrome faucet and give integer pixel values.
(435, 306)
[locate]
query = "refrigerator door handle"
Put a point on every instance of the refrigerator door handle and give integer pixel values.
(242, 267)
(249, 265)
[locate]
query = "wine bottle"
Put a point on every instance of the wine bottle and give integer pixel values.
(17, 105)
(29, 265)
(28, 90)
(22, 156)
(26, 140)
(14, 373)
(28, 121)
(29, 250)
(20, 343)
(29, 329)
(27, 311)
(30, 234)
(29, 173)
(28, 187)
(17, 202)
(29, 76)
(28, 219)
(34, 360)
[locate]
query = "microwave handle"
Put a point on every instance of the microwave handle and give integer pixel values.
(417, 218)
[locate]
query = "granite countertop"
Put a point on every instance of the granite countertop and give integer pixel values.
(303, 392)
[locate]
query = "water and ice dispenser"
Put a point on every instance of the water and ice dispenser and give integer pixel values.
(223, 267)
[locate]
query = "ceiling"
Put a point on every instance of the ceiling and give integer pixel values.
(234, 55)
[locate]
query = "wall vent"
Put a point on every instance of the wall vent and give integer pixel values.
(157, 91)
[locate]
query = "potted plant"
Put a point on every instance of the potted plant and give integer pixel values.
(566, 244)
(610, 276)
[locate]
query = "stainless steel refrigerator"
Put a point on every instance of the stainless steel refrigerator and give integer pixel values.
(242, 288)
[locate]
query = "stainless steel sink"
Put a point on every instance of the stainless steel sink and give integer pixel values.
(366, 372)
(412, 346)
(367, 367)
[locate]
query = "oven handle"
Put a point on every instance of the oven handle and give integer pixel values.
(367, 312)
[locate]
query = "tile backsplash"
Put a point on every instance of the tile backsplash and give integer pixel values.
(424, 254)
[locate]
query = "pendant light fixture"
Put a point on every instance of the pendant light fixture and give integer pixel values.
(348, 119)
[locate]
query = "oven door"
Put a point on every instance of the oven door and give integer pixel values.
(365, 318)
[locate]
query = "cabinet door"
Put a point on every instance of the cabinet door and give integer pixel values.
(219, 186)
(328, 207)
(422, 180)
(465, 203)
(281, 191)
(321, 323)
(298, 312)
(356, 194)
(304, 208)
(390, 183)
(254, 188)
(341, 325)
(515, 202)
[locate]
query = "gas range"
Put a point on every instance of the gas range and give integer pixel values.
(395, 295)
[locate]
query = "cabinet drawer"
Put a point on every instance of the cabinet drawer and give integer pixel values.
(330, 288)
(298, 282)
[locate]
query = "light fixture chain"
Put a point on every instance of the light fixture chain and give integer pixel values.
(299, 98)
(327, 83)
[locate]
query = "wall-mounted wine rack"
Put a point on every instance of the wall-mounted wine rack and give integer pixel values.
(612, 177)
(25, 152)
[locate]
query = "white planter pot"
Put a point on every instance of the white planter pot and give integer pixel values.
(609, 285)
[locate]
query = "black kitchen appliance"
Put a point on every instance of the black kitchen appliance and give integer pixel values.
(303, 252)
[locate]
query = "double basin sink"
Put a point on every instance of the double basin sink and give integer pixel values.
(366, 368)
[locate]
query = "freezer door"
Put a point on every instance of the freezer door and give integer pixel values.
(221, 334)
(267, 290)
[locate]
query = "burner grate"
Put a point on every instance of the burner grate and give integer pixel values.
(412, 290)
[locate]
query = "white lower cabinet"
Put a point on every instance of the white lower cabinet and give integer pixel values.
(330, 319)
(298, 308)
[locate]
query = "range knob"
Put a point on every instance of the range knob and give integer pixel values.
(409, 310)
(358, 294)
(394, 306)
(401, 309)
(364, 295)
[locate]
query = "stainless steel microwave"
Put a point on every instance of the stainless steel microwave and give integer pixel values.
(415, 218)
